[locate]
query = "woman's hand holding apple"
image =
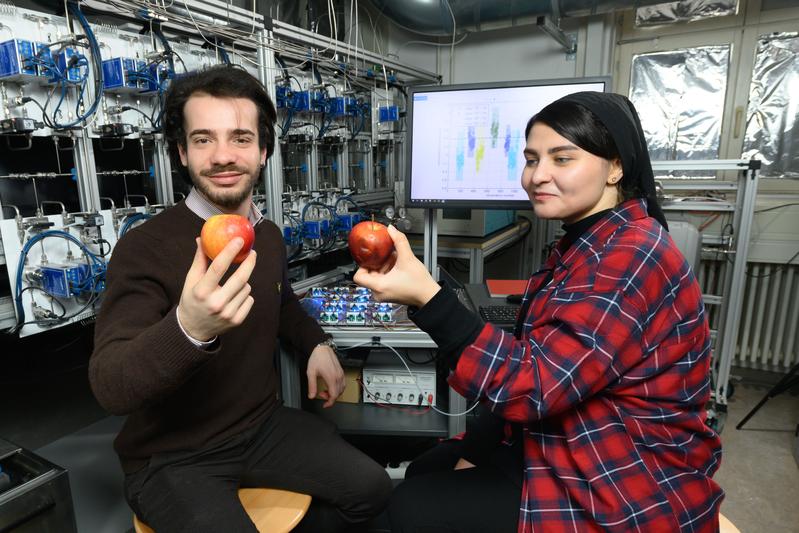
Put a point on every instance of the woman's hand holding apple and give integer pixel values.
(207, 309)
(407, 281)
(370, 244)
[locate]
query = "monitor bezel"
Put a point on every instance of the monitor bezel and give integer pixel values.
(487, 203)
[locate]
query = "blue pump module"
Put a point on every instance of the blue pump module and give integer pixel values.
(282, 96)
(156, 77)
(389, 113)
(312, 229)
(44, 59)
(302, 101)
(65, 281)
(120, 75)
(17, 60)
(62, 60)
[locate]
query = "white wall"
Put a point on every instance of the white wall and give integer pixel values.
(513, 53)
(378, 34)
(404, 46)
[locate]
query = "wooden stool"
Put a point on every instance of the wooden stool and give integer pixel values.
(271, 510)
(725, 526)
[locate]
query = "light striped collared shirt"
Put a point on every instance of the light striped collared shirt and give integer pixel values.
(200, 206)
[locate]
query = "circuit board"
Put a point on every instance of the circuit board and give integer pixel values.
(350, 305)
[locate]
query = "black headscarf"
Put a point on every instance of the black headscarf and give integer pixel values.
(618, 115)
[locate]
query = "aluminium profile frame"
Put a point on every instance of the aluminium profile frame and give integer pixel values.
(734, 282)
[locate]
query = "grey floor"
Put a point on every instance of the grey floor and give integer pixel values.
(94, 475)
(53, 412)
(760, 463)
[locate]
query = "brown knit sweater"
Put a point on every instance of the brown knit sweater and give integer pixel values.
(178, 396)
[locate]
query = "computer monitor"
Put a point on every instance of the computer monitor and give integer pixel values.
(466, 141)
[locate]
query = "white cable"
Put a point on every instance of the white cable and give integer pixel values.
(416, 382)
(357, 29)
(197, 27)
(430, 43)
(452, 47)
(246, 39)
(331, 14)
(349, 34)
(216, 47)
(252, 28)
(376, 41)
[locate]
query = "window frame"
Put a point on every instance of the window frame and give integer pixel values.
(741, 31)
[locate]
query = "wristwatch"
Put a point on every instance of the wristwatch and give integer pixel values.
(329, 342)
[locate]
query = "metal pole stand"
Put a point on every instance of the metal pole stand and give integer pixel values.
(788, 380)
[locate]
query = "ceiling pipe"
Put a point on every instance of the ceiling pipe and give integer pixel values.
(432, 17)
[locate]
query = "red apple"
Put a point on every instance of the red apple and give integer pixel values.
(370, 244)
(219, 230)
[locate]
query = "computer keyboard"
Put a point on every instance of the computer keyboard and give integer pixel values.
(499, 314)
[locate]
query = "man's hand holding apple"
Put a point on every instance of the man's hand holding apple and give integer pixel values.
(208, 309)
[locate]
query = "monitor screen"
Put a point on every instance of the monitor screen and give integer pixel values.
(466, 141)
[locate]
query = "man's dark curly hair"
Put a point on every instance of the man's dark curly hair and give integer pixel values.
(222, 81)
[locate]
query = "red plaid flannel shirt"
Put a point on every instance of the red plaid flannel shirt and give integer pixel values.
(609, 382)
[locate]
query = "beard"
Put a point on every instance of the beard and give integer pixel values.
(227, 198)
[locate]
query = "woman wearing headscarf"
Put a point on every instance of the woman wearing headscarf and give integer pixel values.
(593, 410)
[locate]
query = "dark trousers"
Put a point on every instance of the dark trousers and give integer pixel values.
(434, 498)
(293, 450)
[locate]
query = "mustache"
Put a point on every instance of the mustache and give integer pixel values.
(219, 169)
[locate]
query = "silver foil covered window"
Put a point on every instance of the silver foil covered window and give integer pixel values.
(772, 117)
(679, 95)
(684, 11)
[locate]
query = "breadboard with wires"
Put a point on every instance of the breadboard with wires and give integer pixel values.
(349, 305)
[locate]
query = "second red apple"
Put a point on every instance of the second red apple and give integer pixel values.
(370, 244)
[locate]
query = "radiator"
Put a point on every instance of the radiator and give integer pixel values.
(768, 336)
